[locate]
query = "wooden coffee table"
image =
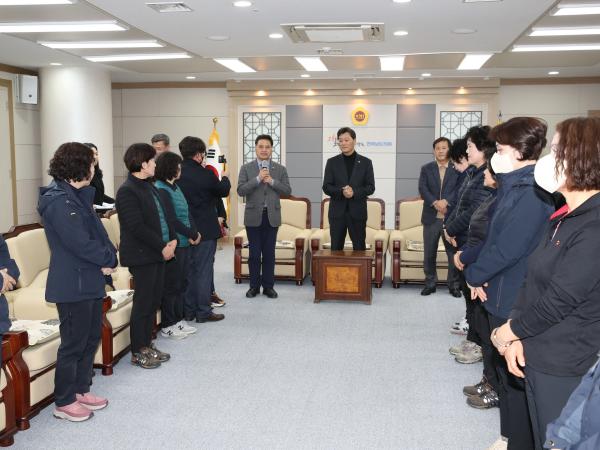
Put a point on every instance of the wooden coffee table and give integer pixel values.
(343, 275)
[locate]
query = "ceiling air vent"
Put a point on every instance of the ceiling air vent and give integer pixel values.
(169, 7)
(334, 32)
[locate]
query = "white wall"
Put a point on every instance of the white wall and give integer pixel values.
(27, 156)
(140, 113)
(552, 103)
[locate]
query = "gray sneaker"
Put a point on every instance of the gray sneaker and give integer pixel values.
(478, 389)
(462, 347)
(470, 356)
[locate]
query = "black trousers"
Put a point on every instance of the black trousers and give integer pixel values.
(514, 411)
(261, 258)
(481, 328)
(149, 281)
(171, 307)
(80, 333)
(357, 229)
(547, 395)
(431, 237)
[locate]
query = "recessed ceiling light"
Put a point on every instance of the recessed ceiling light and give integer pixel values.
(309, 92)
(217, 38)
(305, 75)
(102, 44)
(464, 31)
(60, 27)
(235, 64)
(474, 61)
(190, 77)
(169, 7)
(426, 74)
(276, 35)
(36, 2)
(242, 4)
(56, 64)
(486, 78)
(140, 57)
(400, 33)
(480, 1)
(359, 91)
(553, 72)
(577, 9)
(261, 93)
(555, 48)
(391, 63)
(311, 63)
(401, 1)
(565, 31)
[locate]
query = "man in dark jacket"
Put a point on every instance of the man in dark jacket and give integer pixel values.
(437, 184)
(348, 180)
(200, 187)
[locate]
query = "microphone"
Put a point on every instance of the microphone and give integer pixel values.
(264, 164)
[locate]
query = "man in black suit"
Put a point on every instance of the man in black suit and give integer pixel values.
(348, 180)
(437, 183)
(200, 187)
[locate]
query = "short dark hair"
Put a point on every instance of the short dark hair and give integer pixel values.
(265, 137)
(578, 152)
(160, 137)
(526, 134)
(442, 139)
(167, 165)
(72, 161)
(90, 145)
(345, 130)
(136, 155)
(190, 146)
(458, 150)
(480, 136)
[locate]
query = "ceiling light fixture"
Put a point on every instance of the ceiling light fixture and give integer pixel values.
(56, 64)
(474, 61)
(391, 63)
(261, 93)
(242, 4)
(464, 31)
(311, 63)
(565, 31)
(577, 9)
(101, 44)
(309, 92)
(190, 77)
(60, 27)
(426, 74)
(480, 1)
(400, 33)
(305, 75)
(553, 72)
(140, 57)
(169, 7)
(275, 35)
(218, 38)
(555, 48)
(235, 65)
(35, 2)
(359, 91)
(401, 1)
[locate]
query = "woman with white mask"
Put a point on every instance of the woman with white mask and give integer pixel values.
(497, 275)
(553, 334)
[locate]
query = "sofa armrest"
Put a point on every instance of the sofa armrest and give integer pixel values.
(396, 236)
(316, 240)
(382, 235)
(241, 234)
(304, 235)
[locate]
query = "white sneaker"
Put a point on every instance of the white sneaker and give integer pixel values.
(173, 333)
(500, 444)
(463, 346)
(183, 327)
(462, 328)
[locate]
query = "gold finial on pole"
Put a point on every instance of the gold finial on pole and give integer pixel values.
(215, 120)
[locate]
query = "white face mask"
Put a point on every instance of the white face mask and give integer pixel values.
(546, 176)
(502, 163)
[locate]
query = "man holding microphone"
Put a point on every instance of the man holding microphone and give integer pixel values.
(262, 182)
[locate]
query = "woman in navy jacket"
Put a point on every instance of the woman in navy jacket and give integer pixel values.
(554, 330)
(81, 255)
(499, 271)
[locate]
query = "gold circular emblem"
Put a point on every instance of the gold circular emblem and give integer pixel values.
(360, 116)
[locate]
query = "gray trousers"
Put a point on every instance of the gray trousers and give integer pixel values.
(431, 237)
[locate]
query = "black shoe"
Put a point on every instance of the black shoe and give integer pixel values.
(211, 318)
(455, 293)
(252, 292)
(485, 401)
(144, 360)
(270, 292)
(428, 290)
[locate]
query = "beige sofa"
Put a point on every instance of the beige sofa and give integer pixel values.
(406, 245)
(376, 236)
(292, 256)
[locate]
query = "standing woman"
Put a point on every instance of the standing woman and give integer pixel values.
(99, 196)
(554, 330)
(147, 242)
(81, 254)
(500, 269)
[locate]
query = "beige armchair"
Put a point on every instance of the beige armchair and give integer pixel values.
(292, 256)
(406, 245)
(376, 238)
